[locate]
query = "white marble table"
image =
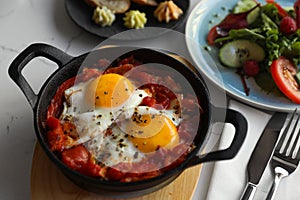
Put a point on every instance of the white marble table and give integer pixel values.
(27, 22)
(23, 22)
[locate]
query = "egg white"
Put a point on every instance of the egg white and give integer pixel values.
(91, 121)
(114, 149)
(172, 114)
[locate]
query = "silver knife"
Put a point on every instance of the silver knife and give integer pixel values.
(262, 152)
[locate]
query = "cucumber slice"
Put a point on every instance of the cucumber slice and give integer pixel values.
(245, 5)
(235, 53)
(253, 15)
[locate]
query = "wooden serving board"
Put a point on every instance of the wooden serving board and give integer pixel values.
(48, 183)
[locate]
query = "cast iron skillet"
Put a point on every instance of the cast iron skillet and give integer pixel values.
(68, 67)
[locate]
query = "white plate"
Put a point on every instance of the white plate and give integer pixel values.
(203, 17)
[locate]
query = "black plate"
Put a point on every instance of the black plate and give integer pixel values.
(82, 14)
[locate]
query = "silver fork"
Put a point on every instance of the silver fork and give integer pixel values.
(286, 157)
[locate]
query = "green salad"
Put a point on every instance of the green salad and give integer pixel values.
(262, 41)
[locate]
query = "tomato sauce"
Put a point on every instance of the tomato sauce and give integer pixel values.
(79, 158)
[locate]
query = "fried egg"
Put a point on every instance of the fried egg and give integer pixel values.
(150, 129)
(137, 132)
(111, 123)
(94, 105)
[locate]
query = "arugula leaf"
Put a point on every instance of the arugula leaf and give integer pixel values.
(272, 12)
(265, 31)
(247, 33)
(267, 22)
(272, 45)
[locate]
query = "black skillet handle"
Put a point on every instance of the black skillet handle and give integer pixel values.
(240, 123)
(32, 51)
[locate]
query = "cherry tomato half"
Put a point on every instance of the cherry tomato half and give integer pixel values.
(283, 71)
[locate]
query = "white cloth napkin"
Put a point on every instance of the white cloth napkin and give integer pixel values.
(229, 178)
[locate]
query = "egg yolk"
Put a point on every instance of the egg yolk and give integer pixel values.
(150, 132)
(109, 90)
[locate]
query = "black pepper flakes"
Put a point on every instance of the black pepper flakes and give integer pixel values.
(216, 15)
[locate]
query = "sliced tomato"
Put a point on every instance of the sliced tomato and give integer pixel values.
(53, 123)
(212, 35)
(55, 135)
(92, 169)
(55, 107)
(283, 71)
(75, 157)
